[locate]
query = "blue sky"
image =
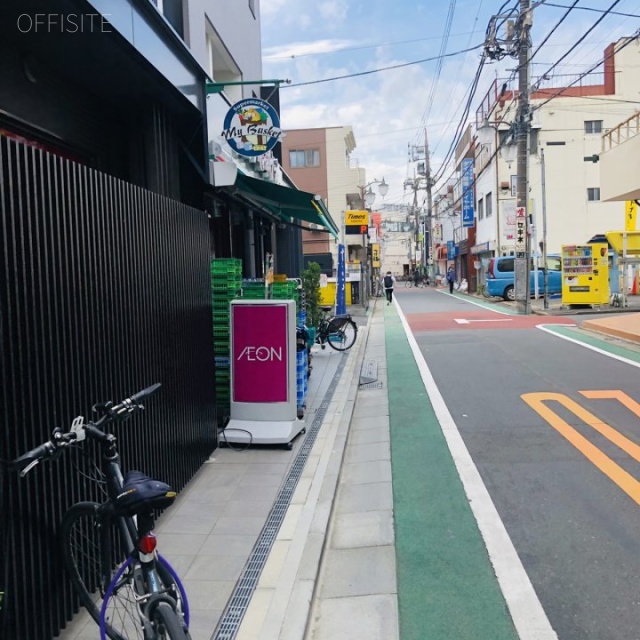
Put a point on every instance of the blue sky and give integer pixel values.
(308, 41)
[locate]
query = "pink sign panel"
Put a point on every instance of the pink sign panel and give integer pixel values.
(259, 353)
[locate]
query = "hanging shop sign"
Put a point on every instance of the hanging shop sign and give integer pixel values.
(251, 127)
(468, 214)
(375, 255)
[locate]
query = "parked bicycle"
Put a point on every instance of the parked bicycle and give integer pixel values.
(420, 283)
(109, 549)
(339, 331)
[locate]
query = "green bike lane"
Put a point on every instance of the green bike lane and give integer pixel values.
(447, 585)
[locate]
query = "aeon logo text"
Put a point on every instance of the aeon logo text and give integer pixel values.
(261, 354)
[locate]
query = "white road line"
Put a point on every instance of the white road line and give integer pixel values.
(527, 613)
(479, 304)
(548, 329)
(463, 321)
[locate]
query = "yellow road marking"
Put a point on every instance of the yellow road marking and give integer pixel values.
(615, 394)
(614, 471)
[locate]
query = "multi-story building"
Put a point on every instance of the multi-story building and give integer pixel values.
(569, 117)
(319, 161)
(397, 239)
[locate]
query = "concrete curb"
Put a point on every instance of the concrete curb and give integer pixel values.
(281, 604)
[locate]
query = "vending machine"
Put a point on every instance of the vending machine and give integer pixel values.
(585, 274)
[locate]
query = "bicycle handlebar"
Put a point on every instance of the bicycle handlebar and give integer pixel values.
(59, 439)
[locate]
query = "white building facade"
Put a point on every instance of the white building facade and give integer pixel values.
(567, 128)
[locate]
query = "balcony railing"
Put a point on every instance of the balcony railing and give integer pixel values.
(623, 132)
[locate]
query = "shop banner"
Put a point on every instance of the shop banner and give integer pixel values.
(259, 352)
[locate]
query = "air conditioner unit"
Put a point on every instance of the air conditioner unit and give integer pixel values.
(315, 227)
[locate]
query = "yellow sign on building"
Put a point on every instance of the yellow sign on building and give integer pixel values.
(375, 255)
(630, 215)
(356, 218)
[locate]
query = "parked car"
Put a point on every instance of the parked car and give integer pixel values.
(500, 278)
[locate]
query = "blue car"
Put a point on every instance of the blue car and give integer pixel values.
(500, 278)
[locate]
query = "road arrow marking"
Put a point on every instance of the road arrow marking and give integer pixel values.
(463, 321)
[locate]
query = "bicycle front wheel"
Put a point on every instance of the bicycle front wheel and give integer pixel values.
(342, 334)
(84, 540)
(124, 615)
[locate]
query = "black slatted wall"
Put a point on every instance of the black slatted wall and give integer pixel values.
(104, 289)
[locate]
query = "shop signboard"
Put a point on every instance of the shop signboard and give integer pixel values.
(468, 215)
(260, 353)
(263, 372)
(251, 127)
(356, 222)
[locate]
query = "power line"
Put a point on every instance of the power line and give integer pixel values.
(460, 66)
(613, 13)
(443, 48)
(582, 75)
(395, 66)
(461, 124)
(553, 29)
(580, 39)
(363, 47)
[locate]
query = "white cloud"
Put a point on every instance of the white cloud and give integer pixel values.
(299, 49)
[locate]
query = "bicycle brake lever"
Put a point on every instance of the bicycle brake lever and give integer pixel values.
(28, 468)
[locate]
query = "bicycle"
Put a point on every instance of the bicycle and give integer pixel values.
(141, 597)
(421, 283)
(339, 331)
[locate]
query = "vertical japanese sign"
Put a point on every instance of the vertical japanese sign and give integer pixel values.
(521, 231)
(259, 352)
(375, 255)
(468, 214)
(630, 215)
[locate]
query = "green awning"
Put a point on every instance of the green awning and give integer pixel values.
(287, 203)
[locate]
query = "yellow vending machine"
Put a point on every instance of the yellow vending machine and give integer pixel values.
(585, 274)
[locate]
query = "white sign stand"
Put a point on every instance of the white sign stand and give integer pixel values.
(263, 373)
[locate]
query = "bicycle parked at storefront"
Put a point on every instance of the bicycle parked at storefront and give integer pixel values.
(339, 331)
(109, 549)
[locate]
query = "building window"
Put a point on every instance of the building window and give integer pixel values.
(593, 194)
(252, 7)
(304, 158)
(480, 209)
(488, 206)
(593, 126)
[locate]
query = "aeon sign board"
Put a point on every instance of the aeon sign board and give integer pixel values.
(251, 127)
(260, 355)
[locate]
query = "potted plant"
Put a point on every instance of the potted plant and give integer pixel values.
(311, 288)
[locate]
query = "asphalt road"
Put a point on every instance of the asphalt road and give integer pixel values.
(554, 430)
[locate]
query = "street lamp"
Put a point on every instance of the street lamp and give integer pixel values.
(367, 194)
(487, 133)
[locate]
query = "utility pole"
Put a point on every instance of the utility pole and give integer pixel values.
(523, 243)
(428, 235)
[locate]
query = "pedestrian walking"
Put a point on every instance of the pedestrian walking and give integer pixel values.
(451, 278)
(388, 286)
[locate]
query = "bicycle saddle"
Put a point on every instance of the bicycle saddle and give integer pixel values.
(140, 494)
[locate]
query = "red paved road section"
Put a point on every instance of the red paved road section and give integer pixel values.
(477, 319)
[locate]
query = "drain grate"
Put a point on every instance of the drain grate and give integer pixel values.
(371, 385)
(239, 601)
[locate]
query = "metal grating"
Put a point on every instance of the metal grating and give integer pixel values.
(371, 385)
(239, 601)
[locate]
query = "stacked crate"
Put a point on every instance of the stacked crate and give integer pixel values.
(253, 289)
(226, 281)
